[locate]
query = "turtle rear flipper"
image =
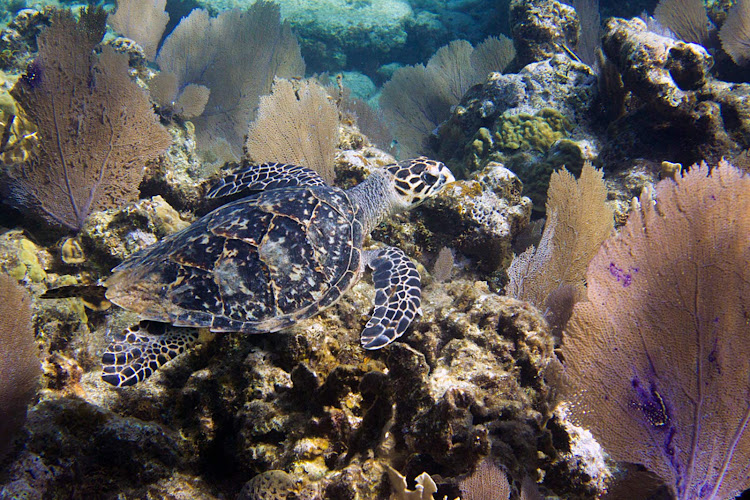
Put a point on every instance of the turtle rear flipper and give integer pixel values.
(142, 349)
(256, 178)
(398, 297)
(92, 296)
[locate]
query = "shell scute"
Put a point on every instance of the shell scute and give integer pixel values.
(238, 224)
(332, 235)
(290, 259)
(193, 290)
(242, 283)
(198, 250)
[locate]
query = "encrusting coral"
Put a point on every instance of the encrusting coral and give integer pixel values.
(18, 136)
(538, 131)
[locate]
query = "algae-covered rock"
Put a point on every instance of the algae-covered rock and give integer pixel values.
(110, 236)
(107, 448)
(18, 39)
(179, 175)
(487, 369)
(681, 112)
(558, 83)
(660, 70)
(480, 217)
(463, 383)
(541, 29)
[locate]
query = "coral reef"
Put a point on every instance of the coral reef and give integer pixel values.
(332, 32)
(536, 132)
(310, 402)
(473, 397)
(180, 174)
(336, 34)
(509, 119)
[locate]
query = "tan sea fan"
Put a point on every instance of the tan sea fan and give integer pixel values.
(735, 33)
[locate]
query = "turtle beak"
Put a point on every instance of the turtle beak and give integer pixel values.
(446, 176)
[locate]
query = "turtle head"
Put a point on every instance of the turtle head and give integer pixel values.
(418, 179)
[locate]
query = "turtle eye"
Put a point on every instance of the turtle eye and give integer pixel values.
(429, 179)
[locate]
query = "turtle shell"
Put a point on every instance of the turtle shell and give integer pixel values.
(255, 265)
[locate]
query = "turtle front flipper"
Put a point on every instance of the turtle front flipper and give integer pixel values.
(142, 349)
(256, 178)
(398, 296)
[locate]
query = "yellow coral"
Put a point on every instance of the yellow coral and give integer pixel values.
(18, 136)
(539, 131)
(20, 257)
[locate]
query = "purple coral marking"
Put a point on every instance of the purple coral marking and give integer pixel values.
(621, 275)
(668, 442)
(33, 75)
(650, 403)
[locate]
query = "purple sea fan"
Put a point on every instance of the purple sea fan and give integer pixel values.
(96, 127)
(660, 368)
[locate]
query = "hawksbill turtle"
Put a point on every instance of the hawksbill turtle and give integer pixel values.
(283, 253)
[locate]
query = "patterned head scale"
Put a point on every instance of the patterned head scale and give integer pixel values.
(420, 178)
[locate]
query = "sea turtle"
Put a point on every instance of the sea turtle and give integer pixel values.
(288, 250)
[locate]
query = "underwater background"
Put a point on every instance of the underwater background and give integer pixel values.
(584, 329)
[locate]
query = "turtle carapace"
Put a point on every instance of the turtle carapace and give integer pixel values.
(289, 249)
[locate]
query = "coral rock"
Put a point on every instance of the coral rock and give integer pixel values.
(480, 217)
(679, 111)
(541, 29)
(659, 70)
